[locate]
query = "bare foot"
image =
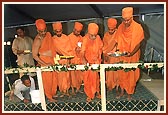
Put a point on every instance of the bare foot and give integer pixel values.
(117, 91)
(77, 90)
(73, 92)
(55, 96)
(80, 91)
(88, 99)
(118, 95)
(98, 96)
(67, 94)
(122, 92)
(62, 95)
(108, 89)
(129, 97)
(52, 100)
(11, 96)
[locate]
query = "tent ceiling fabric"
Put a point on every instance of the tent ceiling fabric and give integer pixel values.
(21, 14)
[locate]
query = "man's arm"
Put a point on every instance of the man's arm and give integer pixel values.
(32, 84)
(134, 51)
(15, 49)
(82, 52)
(17, 92)
(35, 51)
(112, 46)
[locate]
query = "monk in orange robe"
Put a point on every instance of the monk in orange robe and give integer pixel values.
(62, 47)
(128, 37)
(91, 51)
(42, 52)
(111, 76)
(76, 42)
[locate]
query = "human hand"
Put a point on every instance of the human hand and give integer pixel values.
(78, 49)
(106, 58)
(20, 52)
(11, 96)
(26, 52)
(49, 64)
(84, 61)
(128, 54)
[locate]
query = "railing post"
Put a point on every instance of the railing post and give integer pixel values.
(41, 89)
(103, 88)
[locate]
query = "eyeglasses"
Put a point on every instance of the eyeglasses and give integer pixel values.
(42, 31)
(126, 20)
(76, 31)
(111, 29)
(57, 31)
(92, 35)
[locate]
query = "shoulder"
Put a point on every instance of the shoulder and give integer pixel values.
(137, 24)
(37, 41)
(17, 83)
(63, 35)
(120, 26)
(16, 39)
(98, 37)
(85, 37)
(37, 38)
(137, 27)
(71, 34)
(28, 37)
(106, 34)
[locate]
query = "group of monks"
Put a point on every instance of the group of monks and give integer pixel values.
(126, 37)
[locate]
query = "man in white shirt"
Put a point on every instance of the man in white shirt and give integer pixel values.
(21, 89)
(22, 48)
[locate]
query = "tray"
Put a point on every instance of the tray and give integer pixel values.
(115, 54)
(66, 57)
(27, 51)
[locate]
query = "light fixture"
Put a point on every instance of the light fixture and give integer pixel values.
(16, 35)
(4, 43)
(8, 43)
